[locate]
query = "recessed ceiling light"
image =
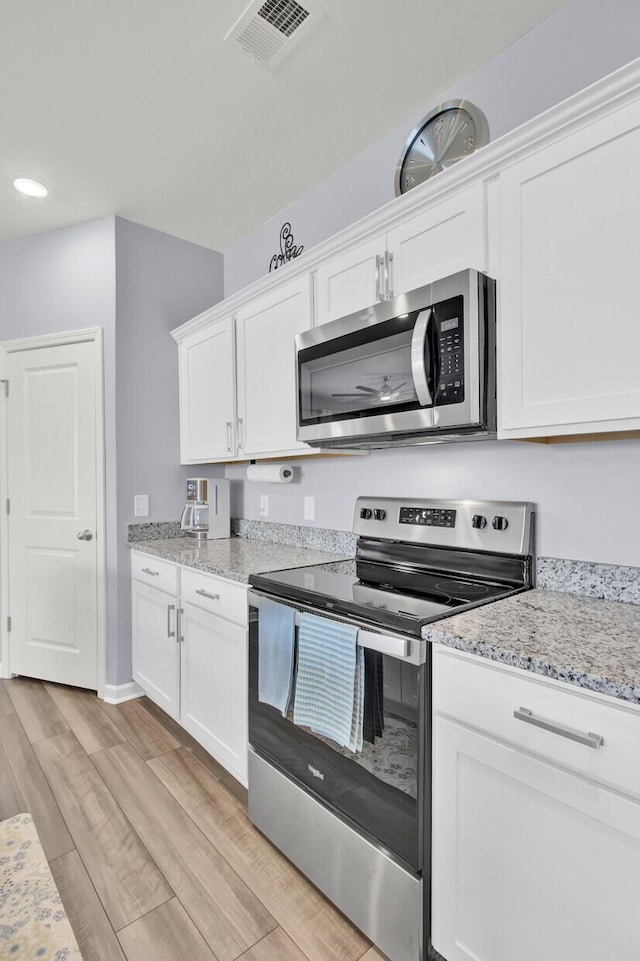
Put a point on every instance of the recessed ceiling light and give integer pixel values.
(30, 187)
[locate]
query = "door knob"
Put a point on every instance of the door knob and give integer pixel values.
(85, 535)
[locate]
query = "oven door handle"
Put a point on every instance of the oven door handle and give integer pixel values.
(419, 366)
(395, 646)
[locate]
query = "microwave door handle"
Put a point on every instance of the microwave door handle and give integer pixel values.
(419, 367)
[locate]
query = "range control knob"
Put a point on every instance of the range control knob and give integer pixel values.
(379, 514)
(479, 522)
(365, 513)
(500, 523)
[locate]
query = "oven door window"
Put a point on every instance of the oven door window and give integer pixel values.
(360, 374)
(378, 789)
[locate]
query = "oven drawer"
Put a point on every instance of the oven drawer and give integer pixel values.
(540, 716)
(215, 594)
(153, 571)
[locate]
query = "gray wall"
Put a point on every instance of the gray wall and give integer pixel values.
(586, 493)
(161, 282)
(582, 42)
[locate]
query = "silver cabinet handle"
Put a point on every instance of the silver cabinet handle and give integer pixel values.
(229, 437)
(212, 597)
(418, 364)
(170, 607)
(147, 570)
(179, 635)
(379, 266)
(240, 432)
(589, 740)
(388, 261)
(85, 535)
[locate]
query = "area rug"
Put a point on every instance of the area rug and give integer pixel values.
(33, 923)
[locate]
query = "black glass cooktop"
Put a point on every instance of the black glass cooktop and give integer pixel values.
(404, 601)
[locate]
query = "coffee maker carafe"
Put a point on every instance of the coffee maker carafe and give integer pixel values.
(206, 514)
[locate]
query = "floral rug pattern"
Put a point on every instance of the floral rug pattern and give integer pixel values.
(33, 923)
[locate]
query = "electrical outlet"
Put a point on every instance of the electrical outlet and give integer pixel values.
(309, 508)
(141, 505)
(264, 505)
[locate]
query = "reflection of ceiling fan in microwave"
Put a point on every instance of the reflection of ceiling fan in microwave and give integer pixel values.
(385, 392)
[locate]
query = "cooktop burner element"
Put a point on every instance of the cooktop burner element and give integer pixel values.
(407, 572)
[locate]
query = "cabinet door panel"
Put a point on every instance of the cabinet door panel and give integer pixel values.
(349, 282)
(528, 861)
(447, 237)
(568, 335)
(214, 687)
(156, 655)
(207, 394)
(266, 369)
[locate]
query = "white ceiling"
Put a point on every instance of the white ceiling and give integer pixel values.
(137, 107)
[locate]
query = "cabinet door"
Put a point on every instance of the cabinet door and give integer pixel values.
(156, 652)
(568, 334)
(214, 686)
(350, 281)
(207, 394)
(266, 369)
(443, 239)
(529, 861)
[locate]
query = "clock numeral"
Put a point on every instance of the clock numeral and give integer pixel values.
(409, 180)
(438, 125)
(470, 143)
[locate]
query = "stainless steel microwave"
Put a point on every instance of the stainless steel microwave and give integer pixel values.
(414, 369)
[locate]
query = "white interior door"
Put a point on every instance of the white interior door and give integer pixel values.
(52, 479)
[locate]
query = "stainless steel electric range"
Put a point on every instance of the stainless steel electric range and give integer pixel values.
(356, 818)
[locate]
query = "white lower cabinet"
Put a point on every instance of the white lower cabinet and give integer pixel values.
(156, 654)
(531, 858)
(190, 657)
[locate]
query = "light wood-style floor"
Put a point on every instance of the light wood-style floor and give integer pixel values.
(148, 838)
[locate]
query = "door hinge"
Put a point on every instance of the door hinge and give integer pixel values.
(8, 624)
(6, 387)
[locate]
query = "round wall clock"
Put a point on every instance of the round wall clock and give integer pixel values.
(450, 132)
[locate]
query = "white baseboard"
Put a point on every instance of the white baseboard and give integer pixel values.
(117, 693)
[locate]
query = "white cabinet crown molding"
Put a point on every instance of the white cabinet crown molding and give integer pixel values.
(582, 108)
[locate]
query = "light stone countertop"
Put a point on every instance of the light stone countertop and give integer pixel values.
(585, 641)
(235, 557)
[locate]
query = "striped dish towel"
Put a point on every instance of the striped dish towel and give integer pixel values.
(329, 696)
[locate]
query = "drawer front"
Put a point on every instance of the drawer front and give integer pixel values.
(152, 570)
(486, 696)
(226, 598)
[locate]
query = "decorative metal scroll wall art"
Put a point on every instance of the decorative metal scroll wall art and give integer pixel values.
(288, 250)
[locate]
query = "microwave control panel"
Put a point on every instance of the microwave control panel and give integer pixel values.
(449, 348)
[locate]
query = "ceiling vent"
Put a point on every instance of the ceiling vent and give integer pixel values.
(269, 29)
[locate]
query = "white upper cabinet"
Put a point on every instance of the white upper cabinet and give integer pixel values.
(446, 237)
(207, 394)
(351, 281)
(265, 331)
(443, 239)
(569, 338)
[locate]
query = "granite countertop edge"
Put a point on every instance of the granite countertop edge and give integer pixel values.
(536, 665)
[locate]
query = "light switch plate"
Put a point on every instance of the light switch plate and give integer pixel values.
(309, 508)
(141, 505)
(264, 505)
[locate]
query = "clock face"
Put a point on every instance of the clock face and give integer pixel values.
(450, 132)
